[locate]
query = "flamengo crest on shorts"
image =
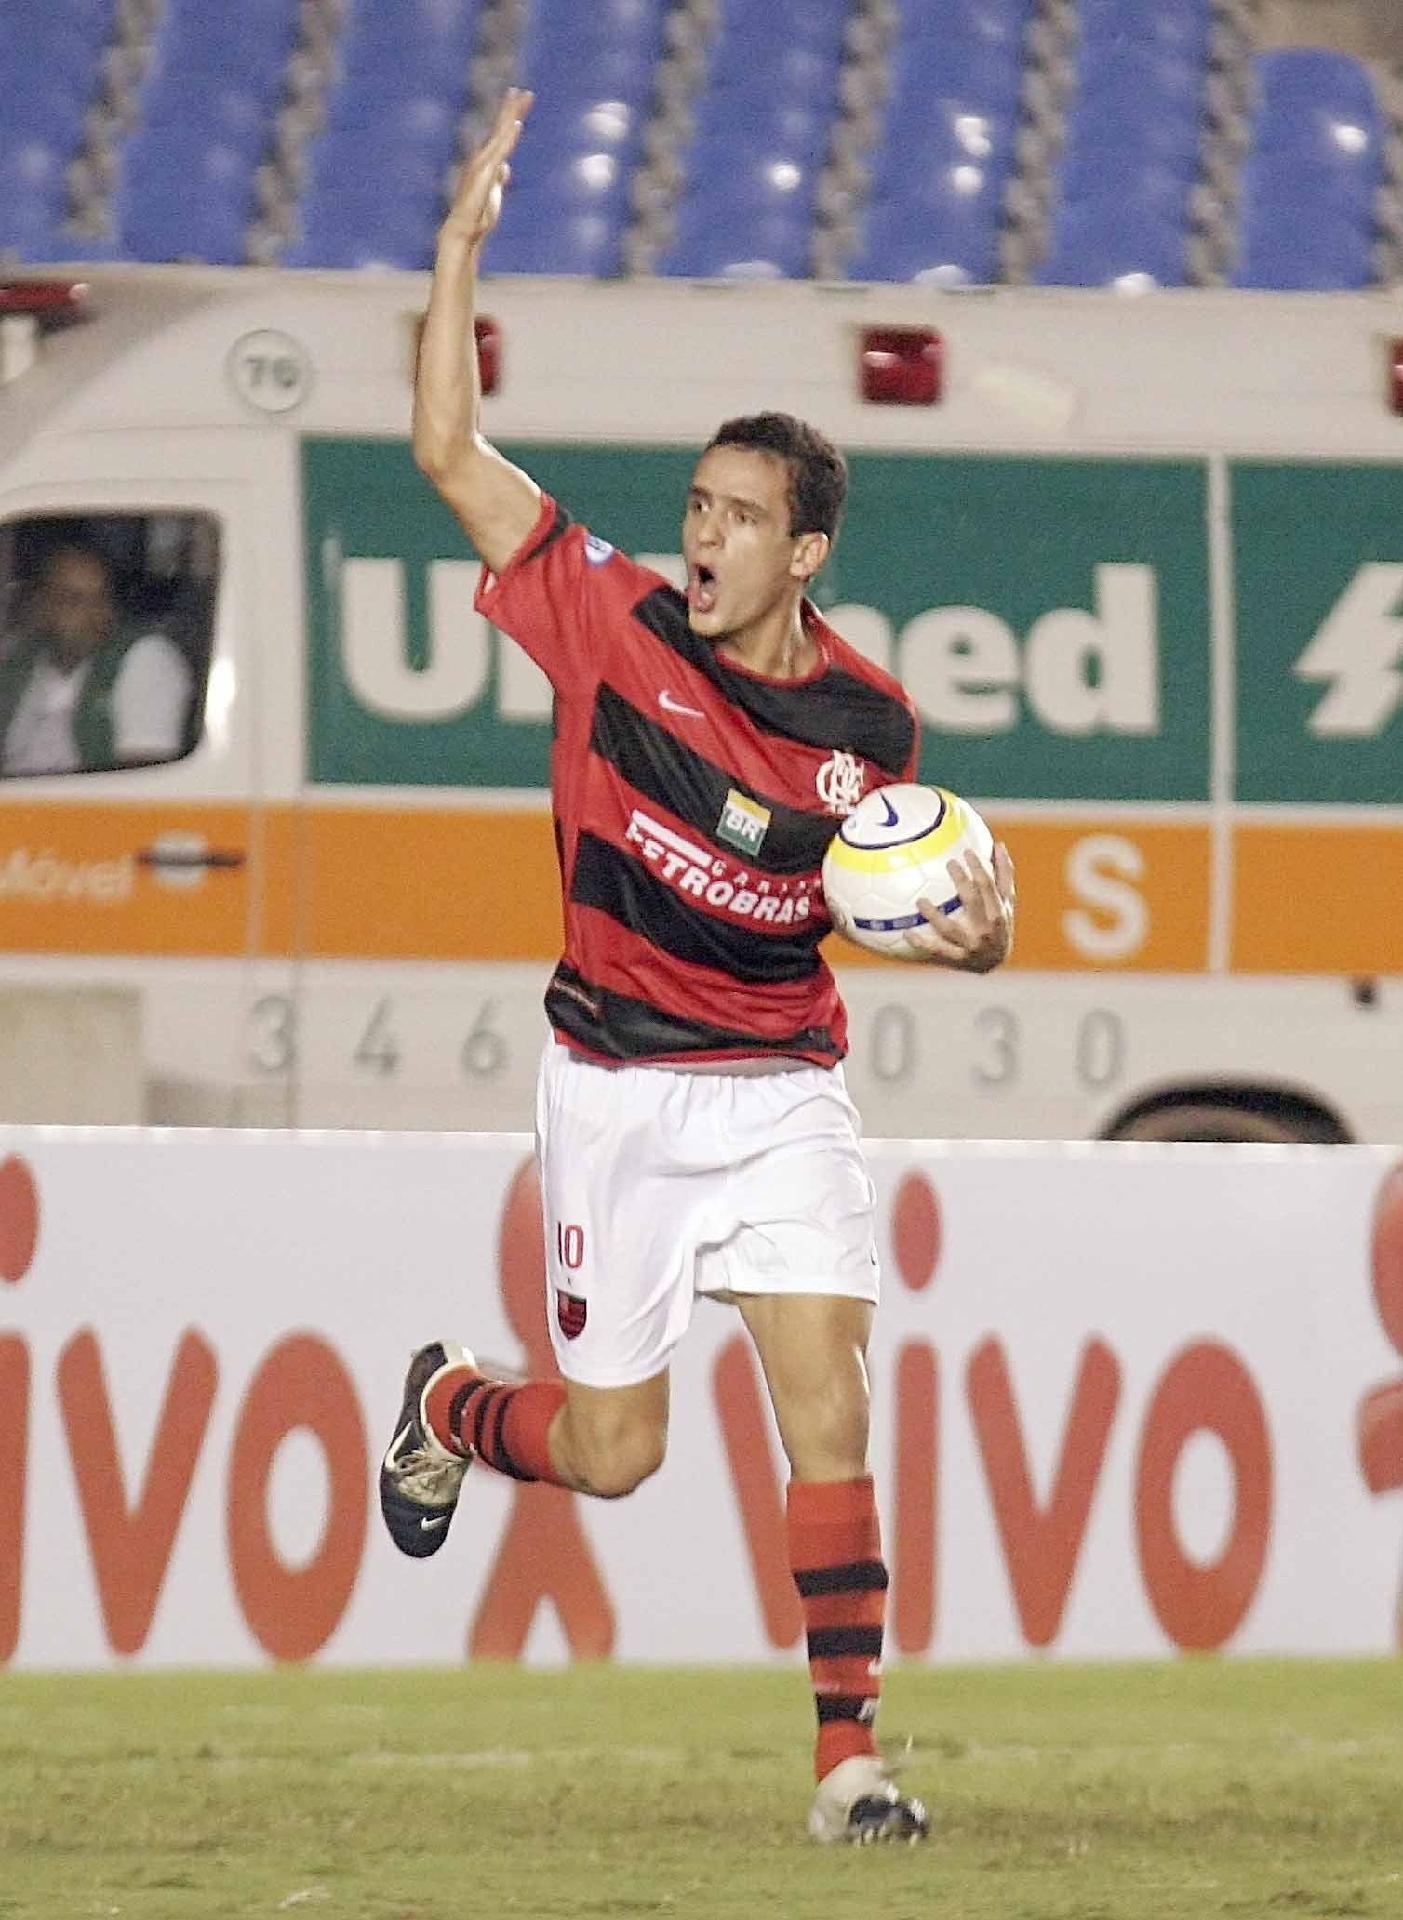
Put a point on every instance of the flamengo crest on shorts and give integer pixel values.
(571, 1311)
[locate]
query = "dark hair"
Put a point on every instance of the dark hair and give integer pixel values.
(818, 473)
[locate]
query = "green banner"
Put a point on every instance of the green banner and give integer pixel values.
(1050, 617)
(1318, 567)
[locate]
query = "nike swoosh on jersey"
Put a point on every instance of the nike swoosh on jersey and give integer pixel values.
(669, 705)
(429, 1526)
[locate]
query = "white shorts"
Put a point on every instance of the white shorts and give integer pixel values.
(659, 1185)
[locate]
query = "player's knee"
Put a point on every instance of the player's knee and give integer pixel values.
(611, 1464)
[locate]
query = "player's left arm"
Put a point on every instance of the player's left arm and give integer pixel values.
(978, 935)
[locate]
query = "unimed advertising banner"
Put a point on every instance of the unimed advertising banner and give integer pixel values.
(1127, 1400)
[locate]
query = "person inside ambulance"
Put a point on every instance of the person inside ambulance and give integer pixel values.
(82, 689)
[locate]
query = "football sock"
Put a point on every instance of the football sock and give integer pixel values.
(835, 1552)
(507, 1427)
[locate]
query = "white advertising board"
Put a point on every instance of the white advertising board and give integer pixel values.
(1127, 1400)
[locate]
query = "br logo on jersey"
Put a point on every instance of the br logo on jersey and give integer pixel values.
(840, 781)
(571, 1311)
(743, 823)
(597, 551)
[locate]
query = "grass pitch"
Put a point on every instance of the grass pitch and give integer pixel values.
(1113, 1793)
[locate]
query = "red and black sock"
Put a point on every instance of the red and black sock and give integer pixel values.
(507, 1427)
(835, 1552)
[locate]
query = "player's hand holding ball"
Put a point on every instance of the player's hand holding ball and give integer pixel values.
(913, 873)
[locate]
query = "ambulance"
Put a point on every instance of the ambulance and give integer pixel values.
(1138, 558)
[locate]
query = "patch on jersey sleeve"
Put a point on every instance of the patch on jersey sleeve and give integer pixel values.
(597, 551)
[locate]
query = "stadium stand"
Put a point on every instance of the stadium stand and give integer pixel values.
(1130, 153)
(592, 71)
(760, 132)
(373, 178)
(1063, 142)
(940, 163)
(183, 185)
(49, 55)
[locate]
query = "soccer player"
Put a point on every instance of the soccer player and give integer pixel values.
(694, 1132)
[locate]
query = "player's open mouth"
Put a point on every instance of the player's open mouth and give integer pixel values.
(701, 589)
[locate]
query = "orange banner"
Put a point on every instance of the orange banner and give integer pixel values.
(1317, 899)
(117, 878)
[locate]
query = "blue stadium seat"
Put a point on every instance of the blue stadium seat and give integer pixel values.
(419, 42)
(746, 33)
(1111, 26)
(756, 116)
(996, 22)
(574, 46)
(337, 231)
(1318, 117)
(1133, 123)
(940, 164)
(375, 176)
(1325, 258)
(543, 234)
(183, 196)
(1131, 145)
(55, 37)
(61, 248)
(232, 115)
(201, 52)
(1115, 235)
(941, 232)
(413, 146)
(33, 199)
(716, 241)
(41, 112)
(204, 119)
(748, 211)
(1313, 168)
(761, 134)
(29, 222)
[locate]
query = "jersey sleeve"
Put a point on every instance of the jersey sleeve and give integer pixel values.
(563, 597)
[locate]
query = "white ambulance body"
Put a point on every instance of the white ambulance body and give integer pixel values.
(1139, 560)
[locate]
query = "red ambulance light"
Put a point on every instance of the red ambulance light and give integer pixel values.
(489, 353)
(901, 366)
(1395, 375)
(52, 303)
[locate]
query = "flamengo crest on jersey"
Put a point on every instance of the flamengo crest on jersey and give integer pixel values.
(841, 782)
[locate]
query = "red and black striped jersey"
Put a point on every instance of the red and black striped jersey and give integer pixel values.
(693, 803)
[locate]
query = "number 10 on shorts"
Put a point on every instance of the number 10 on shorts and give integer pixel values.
(569, 1246)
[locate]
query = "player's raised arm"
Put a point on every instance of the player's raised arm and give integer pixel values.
(496, 502)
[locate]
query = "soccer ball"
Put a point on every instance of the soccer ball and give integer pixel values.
(890, 852)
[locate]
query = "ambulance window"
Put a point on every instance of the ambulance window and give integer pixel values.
(106, 630)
